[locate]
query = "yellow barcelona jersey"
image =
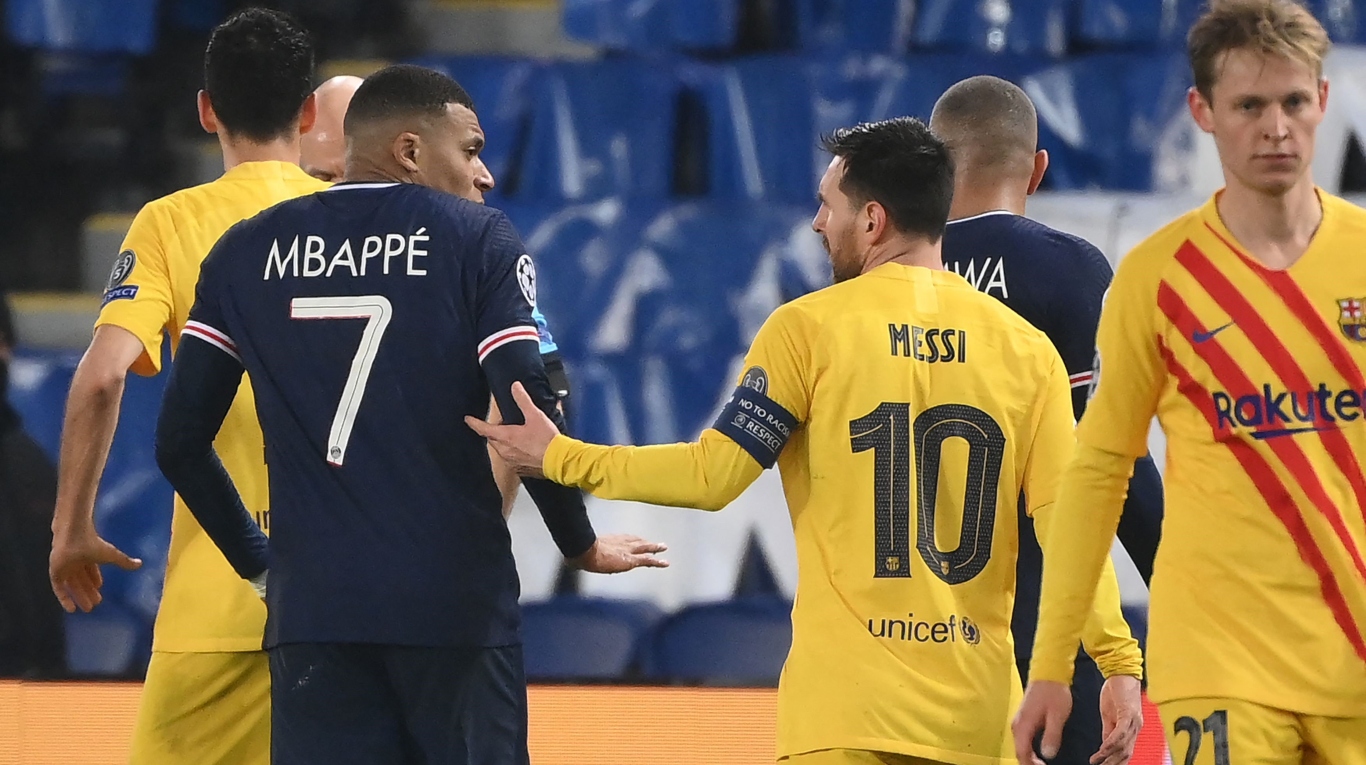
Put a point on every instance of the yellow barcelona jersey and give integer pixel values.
(205, 606)
(1256, 376)
(922, 410)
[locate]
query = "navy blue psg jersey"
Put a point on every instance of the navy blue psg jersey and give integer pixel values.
(361, 315)
(1053, 280)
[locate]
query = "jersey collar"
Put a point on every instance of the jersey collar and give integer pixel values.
(986, 214)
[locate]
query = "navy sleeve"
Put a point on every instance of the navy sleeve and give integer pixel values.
(506, 292)
(1074, 316)
(509, 352)
(204, 381)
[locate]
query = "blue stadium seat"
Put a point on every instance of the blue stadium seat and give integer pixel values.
(109, 641)
(588, 284)
(133, 507)
(600, 129)
(703, 24)
(721, 263)
(573, 638)
(1134, 23)
(501, 91)
(759, 127)
(1102, 117)
(639, 26)
(1035, 27)
(874, 26)
(1342, 18)
(83, 26)
(737, 642)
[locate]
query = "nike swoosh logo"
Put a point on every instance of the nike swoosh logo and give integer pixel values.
(1262, 435)
(1201, 337)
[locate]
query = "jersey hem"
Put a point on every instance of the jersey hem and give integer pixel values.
(207, 645)
(890, 746)
(1295, 703)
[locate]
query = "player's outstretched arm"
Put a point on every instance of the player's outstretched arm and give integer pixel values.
(707, 474)
(204, 381)
(92, 413)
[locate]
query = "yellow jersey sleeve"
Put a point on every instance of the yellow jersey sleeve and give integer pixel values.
(1128, 372)
(770, 401)
(1106, 635)
(138, 297)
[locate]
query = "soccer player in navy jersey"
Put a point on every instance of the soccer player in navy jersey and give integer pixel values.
(1056, 281)
(372, 317)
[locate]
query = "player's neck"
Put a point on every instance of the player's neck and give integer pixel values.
(971, 198)
(240, 151)
(907, 252)
(1276, 229)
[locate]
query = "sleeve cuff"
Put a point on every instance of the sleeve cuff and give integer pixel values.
(556, 456)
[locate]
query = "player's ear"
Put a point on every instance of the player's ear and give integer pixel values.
(207, 119)
(876, 217)
(1201, 110)
(1040, 167)
(407, 147)
(308, 113)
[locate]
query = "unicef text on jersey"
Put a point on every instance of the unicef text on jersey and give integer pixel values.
(314, 261)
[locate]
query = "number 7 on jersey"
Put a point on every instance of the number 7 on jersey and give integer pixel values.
(377, 311)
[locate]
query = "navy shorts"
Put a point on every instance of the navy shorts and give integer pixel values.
(339, 703)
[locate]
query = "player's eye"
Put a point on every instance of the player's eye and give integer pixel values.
(1294, 102)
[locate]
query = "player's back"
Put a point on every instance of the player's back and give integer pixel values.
(926, 398)
(361, 314)
(150, 293)
(1051, 278)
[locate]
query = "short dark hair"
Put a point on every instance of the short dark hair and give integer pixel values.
(258, 71)
(902, 166)
(403, 90)
(987, 123)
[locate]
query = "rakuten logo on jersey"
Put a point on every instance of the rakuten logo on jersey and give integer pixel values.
(1274, 413)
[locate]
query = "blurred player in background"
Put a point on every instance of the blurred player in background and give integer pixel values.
(906, 411)
(322, 152)
(1241, 326)
(206, 697)
(323, 156)
(1056, 282)
(373, 316)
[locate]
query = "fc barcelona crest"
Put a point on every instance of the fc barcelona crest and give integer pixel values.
(1352, 319)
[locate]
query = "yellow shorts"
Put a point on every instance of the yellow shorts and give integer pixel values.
(853, 757)
(1232, 732)
(204, 708)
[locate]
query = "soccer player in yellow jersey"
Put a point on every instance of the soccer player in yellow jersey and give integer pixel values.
(206, 698)
(1240, 325)
(906, 412)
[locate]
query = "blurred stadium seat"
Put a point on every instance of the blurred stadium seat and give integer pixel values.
(600, 129)
(739, 642)
(1104, 117)
(110, 641)
(501, 91)
(1134, 24)
(703, 24)
(1033, 27)
(874, 26)
(573, 638)
(639, 26)
(83, 26)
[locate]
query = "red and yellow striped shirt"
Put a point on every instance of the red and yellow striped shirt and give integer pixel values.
(1256, 376)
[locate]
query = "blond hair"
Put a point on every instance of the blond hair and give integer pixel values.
(1280, 28)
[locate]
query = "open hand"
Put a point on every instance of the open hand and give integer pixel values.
(74, 568)
(616, 553)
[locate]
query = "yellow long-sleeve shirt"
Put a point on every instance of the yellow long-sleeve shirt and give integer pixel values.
(906, 412)
(1259, 587)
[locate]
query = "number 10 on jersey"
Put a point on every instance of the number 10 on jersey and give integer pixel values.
(886, 431)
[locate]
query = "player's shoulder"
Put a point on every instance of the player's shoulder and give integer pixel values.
(1155, 254)
(1073, 251)
(1349, 217)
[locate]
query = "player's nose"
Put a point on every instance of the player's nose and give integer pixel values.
(483, 179)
